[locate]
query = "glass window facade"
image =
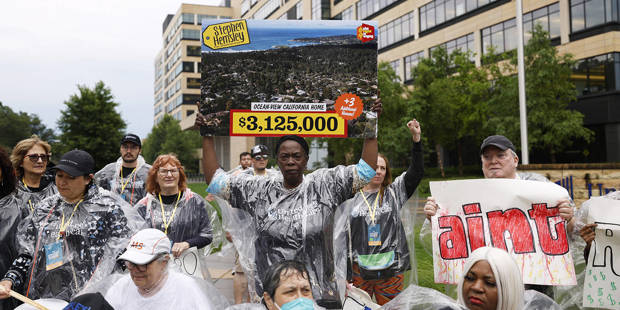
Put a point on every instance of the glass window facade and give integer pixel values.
(502, 35)
(201, 17)
(266, 9)
(438, 12)
(193, 50)
(187, 18)
(190, 34)
(366, 8)
(396, 66)
(396, 30)
(410, 62)
(597, 74)
(590, 13)
(464, 43)
(347, 14)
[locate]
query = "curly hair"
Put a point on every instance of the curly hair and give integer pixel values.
(151, 181)
(8, 180)
(21, 149)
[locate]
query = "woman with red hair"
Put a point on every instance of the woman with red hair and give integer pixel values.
(173, 208)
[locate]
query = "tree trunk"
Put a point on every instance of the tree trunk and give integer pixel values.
(552, 153)
(459, 148)
(439, 161)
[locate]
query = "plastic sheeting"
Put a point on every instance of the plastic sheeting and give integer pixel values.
(571, 297)
(134, 185)
(10, 217)
(28, 199)
(421, 298)
(97, 233)
(194, 217)
(218, 301)
(534, 300)
(392, 215)
(270, 223)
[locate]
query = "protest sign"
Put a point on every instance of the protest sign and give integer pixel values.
(602, 279)
(278, 77)
(516, 215)
(190, 263)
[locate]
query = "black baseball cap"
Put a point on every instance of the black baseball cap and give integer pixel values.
(76, 163)
(91, 301)
(499, 142)
(131, 138)
(259, 149)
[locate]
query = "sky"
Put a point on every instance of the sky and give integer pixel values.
(48, 47)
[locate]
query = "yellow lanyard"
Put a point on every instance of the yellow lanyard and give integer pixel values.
(29, 200)
(371, 211)
(128, 179)
(63, 226)
(163, 215)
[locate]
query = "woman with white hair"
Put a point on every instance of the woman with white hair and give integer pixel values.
(491, 281)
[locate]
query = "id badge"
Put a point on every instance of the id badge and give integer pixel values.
(123, 196)
(53, 255)
(374, 235)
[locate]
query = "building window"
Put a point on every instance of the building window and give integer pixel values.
(410, 62)
(190, 34)
(464, 44)
(193, 50)
(396, 30)
(188, 66)
(300, 10)
(190, 99)
(320, 9)
(589, 13)
(201, 17)
(245, 6)
(267, 9)
(597, 74)
(502, 35)
(187, 18)
(347, 14)
(438, 12)
(193, 82)
(396, 67)
(366, 8)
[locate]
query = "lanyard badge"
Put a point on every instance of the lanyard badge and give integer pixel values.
(374, 229)
(53, 255)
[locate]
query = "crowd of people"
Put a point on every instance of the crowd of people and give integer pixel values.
(110, 237)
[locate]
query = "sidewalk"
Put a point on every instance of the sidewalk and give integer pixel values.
(220, 267)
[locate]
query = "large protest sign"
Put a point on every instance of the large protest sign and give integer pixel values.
(191, 263)
(277, 77)
(602, 280)
(516, 215)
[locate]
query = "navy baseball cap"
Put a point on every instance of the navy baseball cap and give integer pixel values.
(76, 163)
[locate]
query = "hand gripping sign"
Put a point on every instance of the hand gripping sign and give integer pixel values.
(602, 278)
(516, 215)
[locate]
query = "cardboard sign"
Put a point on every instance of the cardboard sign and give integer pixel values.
(602, 280)
(279, 77)
(516, 215)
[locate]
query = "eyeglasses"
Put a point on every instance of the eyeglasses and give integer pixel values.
(164, 172)
(142, 268)
(261, 157)
(35, 157)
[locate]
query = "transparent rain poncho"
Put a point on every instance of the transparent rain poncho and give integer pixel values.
(571, 297)
(393, 253)
(97, 231)
(195, 220)
(288, 223)
(10, 217)
(422, 298)
(27, 199)
(131, 187)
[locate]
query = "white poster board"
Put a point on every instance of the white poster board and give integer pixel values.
(602, 281)
(516, 215)
(190, 263)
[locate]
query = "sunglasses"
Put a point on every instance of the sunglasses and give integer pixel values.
(142, 268)
(259, 157)
(35, 157)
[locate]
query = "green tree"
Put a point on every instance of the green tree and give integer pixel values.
(90, 122)
(16, 126)
(167, 137)
(552, 127)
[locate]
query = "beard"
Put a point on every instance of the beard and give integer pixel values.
(130, 159)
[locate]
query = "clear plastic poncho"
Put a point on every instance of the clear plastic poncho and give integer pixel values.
(422, 298)
(571, 297)
(27, 199)
(195, 220)
(353, 220)
(52, 266)
(10, 217)
(132, 188)
(288, 223)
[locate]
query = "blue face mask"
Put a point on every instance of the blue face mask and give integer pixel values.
(300, 303)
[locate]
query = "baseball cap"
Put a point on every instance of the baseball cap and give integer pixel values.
(76, 163)
(131, 138)
(89, 301)
(498, 141)
(145, 246)
(259, 149)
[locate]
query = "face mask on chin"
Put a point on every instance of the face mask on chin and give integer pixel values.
(300, 303)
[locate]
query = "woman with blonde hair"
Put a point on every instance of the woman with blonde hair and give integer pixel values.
(30, 158)
(491, 281)
(173, 208)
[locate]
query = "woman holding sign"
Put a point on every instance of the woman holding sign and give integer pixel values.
(379, 253)
(292, 213)
(173, 208)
